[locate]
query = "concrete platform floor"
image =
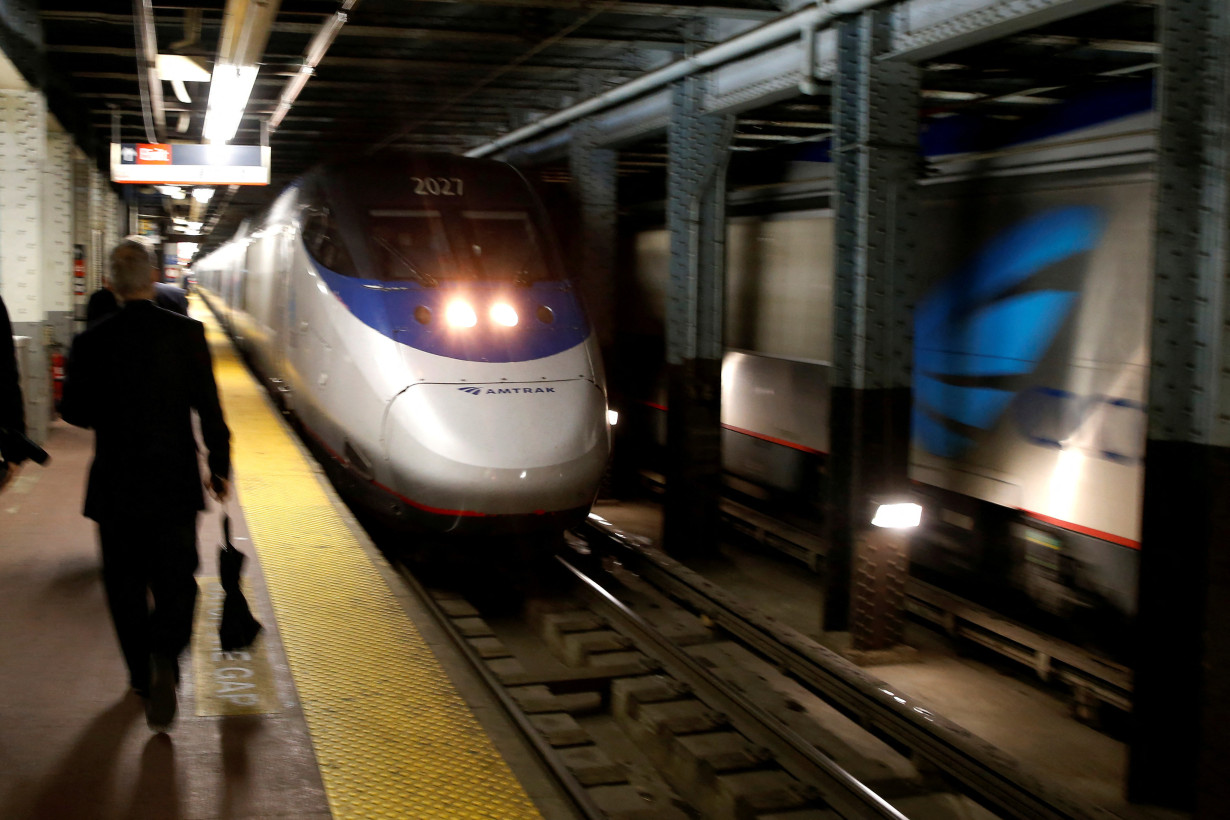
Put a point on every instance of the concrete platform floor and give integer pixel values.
(73, 739)
(74, 744)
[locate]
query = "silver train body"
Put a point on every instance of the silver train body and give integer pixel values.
(416, 321)
(1031, 338)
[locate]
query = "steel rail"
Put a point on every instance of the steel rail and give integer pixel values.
(576, 792)
(846, 794)
(988, 774)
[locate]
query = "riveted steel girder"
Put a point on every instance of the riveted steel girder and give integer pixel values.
(1190, 386)
(593, 172)
(697, 155)
(875, 106)
(698, 150)
(875, 155)
(1180, 746)
(922, 29)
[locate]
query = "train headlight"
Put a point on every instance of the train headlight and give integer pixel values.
(503, 313)
(460, 314)
(612, 417)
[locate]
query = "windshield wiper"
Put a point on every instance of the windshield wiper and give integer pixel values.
(424, 279)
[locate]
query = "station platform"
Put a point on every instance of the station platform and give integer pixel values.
(350, 704)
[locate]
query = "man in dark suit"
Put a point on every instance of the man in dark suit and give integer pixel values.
(135, 379)
(170, 297)
(12, 412)
(103, 302)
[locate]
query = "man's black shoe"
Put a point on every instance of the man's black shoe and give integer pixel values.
(161, 705)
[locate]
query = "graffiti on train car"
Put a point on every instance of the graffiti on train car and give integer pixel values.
(1099, 426)
(980, 332)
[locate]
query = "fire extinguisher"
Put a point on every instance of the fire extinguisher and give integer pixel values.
(57, 375)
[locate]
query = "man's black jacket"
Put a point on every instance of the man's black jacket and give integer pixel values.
(135, 379)
(103, 302)
(12, 414)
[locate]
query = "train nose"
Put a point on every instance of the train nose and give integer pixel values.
(504, 448)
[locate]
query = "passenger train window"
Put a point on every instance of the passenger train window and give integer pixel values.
(504, 246)
(322, 238)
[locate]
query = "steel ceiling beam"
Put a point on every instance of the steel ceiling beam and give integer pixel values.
(640, 40)
(923, 29)
(147, 72)
(761, 12)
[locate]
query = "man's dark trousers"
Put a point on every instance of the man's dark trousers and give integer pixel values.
(158, 554)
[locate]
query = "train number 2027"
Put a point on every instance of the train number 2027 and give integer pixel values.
(437, 186)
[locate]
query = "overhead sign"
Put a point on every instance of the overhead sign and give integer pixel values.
(188, 164)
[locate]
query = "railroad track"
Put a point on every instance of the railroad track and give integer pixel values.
(650, 695)
(1092, 680)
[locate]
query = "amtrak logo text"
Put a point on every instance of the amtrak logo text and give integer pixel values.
(478, 391)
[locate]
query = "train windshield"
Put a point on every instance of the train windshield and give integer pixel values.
(411, 245)
(429, 246)
(503, 246)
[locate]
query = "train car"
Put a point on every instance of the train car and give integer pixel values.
(1029, 376)
(414, 317)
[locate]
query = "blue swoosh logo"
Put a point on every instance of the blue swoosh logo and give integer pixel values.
(979, 326)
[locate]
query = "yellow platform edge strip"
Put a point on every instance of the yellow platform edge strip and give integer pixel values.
(393, 738)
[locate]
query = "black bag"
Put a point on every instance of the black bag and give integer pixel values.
(238, 628)
(18, 447)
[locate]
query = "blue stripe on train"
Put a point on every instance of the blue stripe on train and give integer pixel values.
(391, 313)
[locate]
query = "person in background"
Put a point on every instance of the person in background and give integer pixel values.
(103, 302)
(12, 412)
(136, 379)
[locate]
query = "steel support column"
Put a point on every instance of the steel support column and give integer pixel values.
(23, 137)
(1180, 748)
(697, 157)
(875, 157)
(57, 237)
(83, 282)
(593, 175)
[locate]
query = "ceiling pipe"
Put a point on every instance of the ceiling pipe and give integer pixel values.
(783, 28)
(316, 50)
(152, 108)
(192, 30)
(245, 31)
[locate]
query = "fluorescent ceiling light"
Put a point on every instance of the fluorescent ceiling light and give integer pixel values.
(228, 96)
(173, 191)
(202, 195)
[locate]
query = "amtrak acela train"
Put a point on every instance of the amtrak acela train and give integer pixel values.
(415, 318)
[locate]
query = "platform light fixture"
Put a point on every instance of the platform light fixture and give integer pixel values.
(229, 90)
(897, 515)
